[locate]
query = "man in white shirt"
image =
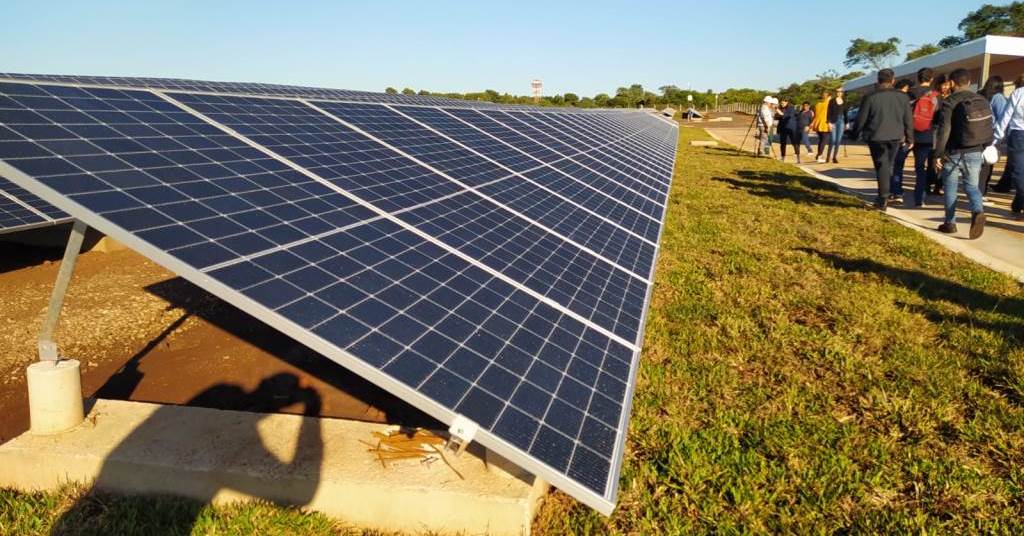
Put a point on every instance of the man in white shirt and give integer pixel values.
(1009, 127)
(765, 119)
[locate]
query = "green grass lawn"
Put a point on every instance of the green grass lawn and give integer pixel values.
(809, 367)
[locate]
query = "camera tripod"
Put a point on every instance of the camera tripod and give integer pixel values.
(753, 123)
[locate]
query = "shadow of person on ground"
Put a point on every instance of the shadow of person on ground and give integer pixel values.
(796, 187)
(1001, 316)
(234, 443)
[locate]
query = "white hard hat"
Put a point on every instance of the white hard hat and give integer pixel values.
(774, 100)
(990, 154)
(767, 99)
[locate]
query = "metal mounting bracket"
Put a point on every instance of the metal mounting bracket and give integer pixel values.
(47, 345)
(460, 434)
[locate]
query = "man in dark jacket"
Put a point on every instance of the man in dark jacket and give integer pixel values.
(885, 122)
(959, 142)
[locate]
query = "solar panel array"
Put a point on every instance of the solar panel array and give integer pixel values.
(274, 90)
(489, 262)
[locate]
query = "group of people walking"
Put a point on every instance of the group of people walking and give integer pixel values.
(951, 131)
(794, 124)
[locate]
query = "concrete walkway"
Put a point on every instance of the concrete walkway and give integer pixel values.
(1000, 248)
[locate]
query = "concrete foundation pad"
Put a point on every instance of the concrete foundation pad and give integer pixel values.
(704, 143)
(319, 464)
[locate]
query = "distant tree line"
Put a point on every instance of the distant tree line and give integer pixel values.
(986, 20)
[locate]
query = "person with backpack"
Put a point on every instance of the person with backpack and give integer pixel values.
(1010, 128)
(885, 122)
(924, 101)
(820, 124)
(837, 109)
(943, 88)
(896, 182)
(965, 130)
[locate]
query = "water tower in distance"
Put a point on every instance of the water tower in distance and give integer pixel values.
(537, 87)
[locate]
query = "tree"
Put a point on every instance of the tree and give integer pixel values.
(602, 100)
(988, 20)
(922, 51)
(994, 20)
(408, 91)
(390, 91)
(873, 54)
(423, 92)
(571, 99)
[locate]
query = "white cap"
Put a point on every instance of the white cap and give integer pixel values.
(774, 100)
(767, 99)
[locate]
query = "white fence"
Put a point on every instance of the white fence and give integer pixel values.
(741, 107)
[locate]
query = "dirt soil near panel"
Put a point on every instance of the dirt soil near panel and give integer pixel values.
(143, 334)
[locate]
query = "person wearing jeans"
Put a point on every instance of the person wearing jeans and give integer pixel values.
(1015, 146)
(924, 163)
(959, 143)
(924, 170)
(837, 109)
(1010, 128)
(964, 167)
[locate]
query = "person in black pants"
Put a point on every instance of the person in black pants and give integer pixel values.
(788, 121)
(885, 122)
(924, 163)
(1005, 184)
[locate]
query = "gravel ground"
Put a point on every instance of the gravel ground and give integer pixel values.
(107, 313)
(136, 327)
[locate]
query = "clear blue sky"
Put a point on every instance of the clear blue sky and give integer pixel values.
(584, 47)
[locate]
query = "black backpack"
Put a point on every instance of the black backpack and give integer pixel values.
(972, 122)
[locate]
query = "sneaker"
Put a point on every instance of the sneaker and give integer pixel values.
(820, 160)
(896, 199)
(1018, 215)
(987, 202)
(880, 204)
(835, 160)
(977, 225)
(948, 228)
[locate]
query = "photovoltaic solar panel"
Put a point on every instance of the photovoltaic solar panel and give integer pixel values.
(21, 210)
(489, 263)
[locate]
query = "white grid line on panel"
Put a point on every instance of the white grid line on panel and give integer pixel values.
(475, 190)
(360, 201)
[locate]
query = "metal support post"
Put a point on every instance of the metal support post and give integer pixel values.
(47, 345)
(986, 64)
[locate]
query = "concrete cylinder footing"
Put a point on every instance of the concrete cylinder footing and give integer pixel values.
(54, 396)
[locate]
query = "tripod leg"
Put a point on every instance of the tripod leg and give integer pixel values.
(752, 122)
